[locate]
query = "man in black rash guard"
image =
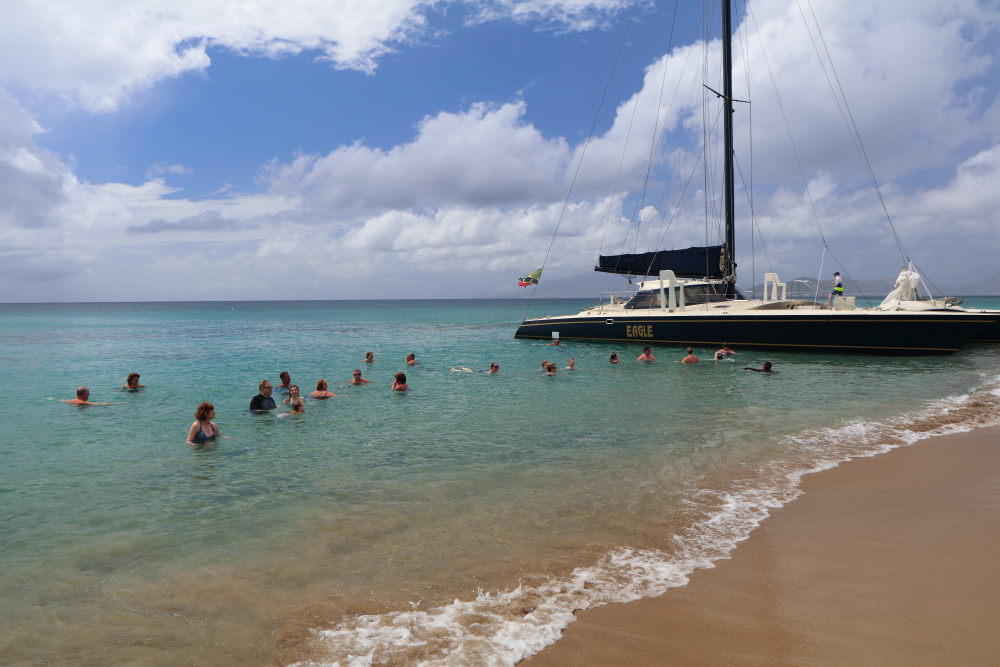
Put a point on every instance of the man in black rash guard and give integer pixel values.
(263, 400)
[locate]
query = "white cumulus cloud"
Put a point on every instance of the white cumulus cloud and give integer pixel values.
(479, 192)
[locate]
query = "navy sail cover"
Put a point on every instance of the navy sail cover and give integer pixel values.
(687, 263)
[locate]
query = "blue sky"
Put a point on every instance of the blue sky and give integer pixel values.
(183, 150)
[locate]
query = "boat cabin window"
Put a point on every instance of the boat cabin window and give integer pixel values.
(644, 299)
(703, 294)
(693, 294)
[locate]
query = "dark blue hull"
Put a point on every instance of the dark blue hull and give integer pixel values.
(990, 334)
(826, 331)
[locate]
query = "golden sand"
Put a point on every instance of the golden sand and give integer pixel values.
(889, 560)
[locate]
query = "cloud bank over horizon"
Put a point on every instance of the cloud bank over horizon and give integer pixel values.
(471, 198)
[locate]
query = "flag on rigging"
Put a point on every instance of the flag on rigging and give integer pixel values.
(530, 279)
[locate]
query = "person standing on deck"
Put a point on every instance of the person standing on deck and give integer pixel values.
(838, 287)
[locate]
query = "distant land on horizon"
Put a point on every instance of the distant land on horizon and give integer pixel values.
(585, 285)
(593, 285)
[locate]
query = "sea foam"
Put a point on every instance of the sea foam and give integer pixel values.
(502, 628)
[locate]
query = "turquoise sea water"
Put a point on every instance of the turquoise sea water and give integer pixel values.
(459, 523)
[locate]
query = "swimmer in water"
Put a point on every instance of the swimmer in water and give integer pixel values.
(690, 358)
(132, 383)
(286, 382)
(203, 429)
(647, 355)
(551, 368)
(614, 358)
(724, 352)
(369, 357)
(298, 407)
(399, 382)
(357, 379)
(83, 398)
(765, 369)
(494, 369)
(572, 365)
(322, 391)
(411, 359)
(293, 394)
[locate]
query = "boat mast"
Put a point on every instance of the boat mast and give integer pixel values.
(727, 125)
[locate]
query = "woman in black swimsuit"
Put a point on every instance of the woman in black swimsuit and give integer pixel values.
(203, 429)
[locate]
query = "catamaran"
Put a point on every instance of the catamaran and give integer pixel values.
(690, 296)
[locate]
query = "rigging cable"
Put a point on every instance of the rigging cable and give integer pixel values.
(657, 135)
(822, 258)
(851, 126)
(658, 131)
(753, 217)
(628, 137)
(583, 153)
(791, 139)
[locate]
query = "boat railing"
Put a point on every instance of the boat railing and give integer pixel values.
(612, 300)
(809, 285)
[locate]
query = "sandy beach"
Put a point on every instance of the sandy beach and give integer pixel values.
(889, 560)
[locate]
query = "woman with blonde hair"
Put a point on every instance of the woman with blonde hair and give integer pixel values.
(322, 391)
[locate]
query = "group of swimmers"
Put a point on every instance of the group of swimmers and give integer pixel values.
(203, 429)
(83, 393)
(549, 367)
(691, 358)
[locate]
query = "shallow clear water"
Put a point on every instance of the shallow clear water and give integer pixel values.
(120, 543)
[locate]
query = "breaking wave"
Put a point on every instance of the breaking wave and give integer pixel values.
(502, 628)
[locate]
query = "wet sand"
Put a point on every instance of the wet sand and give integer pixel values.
(889, 560)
